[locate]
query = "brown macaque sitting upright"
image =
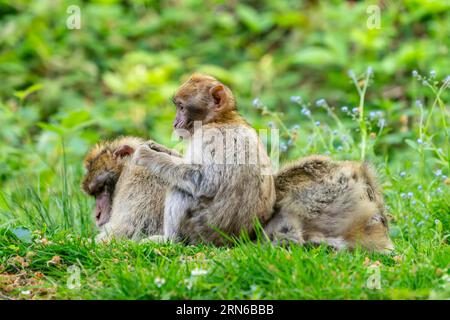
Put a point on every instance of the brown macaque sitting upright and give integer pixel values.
(224, 183)
(129, 200)
(338, 203)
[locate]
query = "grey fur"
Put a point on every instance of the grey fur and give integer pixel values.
(338, 203)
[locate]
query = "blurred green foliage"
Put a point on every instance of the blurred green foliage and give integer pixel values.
(117, 73)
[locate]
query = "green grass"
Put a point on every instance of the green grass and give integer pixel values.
(127, 270)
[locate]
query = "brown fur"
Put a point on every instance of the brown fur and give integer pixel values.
(212, 195)
(339, 203)
(136, 195)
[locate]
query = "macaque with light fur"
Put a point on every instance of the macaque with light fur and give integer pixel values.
(223, 184)
(338, 203)
(129, 200)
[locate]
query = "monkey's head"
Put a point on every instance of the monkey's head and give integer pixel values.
(201, 98)
(104, 165)
(373, 234)
(370, 228)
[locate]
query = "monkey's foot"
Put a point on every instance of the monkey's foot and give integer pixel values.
(155, 239)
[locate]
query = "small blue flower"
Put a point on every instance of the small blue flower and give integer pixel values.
(317, 123)
(444, 177)
(439, 190)
(320, 102)
(306, 111)
(334, 132)
(403, 195)
(381, 123)
(296, 99)
(369, 70)
(419, 103)
(419, 141)
(410, 194)
(344, 109)
(290, 142)
(415, 73)
(355, 110)
(420, 223)
(432, 73)
(402, 174)
(439, 150)
(413, 202)
(296, 127)
(438, 172)
(436, 221)
(447, 80)
(256, 102)
(351, 74)
(372, 115)
(283, 147)
(271, 124)
(340, 148)
(419, 187)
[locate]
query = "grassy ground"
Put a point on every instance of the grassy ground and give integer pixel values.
(126, 270)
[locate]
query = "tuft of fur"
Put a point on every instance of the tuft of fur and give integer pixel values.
(336, 202)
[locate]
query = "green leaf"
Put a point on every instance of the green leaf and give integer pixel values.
(23, 94)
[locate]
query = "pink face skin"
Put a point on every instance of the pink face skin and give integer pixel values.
(102, 208)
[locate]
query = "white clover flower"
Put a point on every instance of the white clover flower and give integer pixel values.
(199, 272)
(160, 282)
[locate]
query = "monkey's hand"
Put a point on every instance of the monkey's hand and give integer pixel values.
(144, 155)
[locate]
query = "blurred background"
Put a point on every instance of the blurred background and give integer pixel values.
(63, 88)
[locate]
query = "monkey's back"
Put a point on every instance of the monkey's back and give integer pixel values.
(327, 197)
(238, 193)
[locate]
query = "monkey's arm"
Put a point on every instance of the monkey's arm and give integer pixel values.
(160, 148)
(174, 170)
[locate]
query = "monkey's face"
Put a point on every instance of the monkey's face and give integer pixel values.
(202, 98)
(104, 167)
(374, 234)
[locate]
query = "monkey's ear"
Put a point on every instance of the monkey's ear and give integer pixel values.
(219, 95)
(123, 151)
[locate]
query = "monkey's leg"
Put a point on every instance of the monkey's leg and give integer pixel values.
(285, 227)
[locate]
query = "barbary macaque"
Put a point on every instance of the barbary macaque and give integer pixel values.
(334, 202)
(129, 200)
(224, 183)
